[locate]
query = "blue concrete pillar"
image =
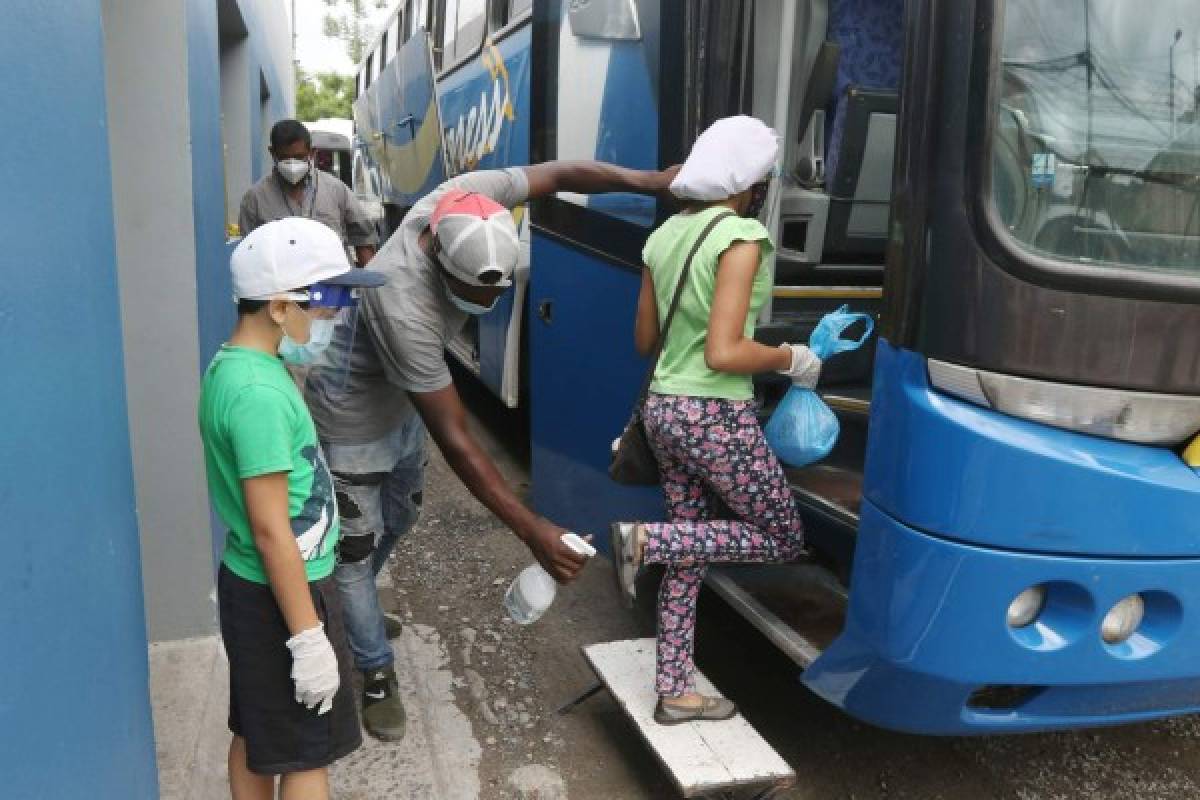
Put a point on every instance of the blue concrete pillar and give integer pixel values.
(74, 703)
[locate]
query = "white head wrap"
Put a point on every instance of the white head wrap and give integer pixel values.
(731, 156)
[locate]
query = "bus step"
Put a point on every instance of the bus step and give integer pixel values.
(800, 608)
(703, 758)
(850, 402)
(846, 293)
(829, 491)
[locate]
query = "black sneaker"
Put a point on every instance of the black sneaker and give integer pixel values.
(383, 712)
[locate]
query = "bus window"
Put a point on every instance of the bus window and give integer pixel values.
(367, 71)
(446, 24)
(417, 17)
(607, 98)
(505, 11)
(1096, 140)
(472, 24)
(383, 51)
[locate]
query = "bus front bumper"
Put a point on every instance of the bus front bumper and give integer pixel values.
(927, 647)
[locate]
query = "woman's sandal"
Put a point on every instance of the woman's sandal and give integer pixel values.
(713, 708)
(624, 548)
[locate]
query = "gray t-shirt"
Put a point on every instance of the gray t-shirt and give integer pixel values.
(326, 199)
(396, 342)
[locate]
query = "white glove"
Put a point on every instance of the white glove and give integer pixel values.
(806, 367)
(314, 668)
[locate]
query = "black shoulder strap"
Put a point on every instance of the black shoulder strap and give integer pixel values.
(683, 276)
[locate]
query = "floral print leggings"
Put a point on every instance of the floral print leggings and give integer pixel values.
(713, 459)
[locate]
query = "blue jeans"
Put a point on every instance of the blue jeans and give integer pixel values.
(379, 492)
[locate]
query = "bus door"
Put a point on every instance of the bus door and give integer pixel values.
(826, 75)
(810, 70)
(840, 98)
(598, 93)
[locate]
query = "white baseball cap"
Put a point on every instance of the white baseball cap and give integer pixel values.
(478, 238)
(293, 253)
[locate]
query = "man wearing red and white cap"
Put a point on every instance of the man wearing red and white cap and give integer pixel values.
(385, 381)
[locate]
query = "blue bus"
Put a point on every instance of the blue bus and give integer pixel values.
(1006, 535)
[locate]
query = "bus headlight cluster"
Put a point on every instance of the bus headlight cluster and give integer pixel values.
(1123, 619)
(1026, 606)
(1141, 417)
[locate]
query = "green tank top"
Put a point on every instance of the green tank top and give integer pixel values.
(681, 368)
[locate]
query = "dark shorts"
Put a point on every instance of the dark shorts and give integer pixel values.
(281, 735)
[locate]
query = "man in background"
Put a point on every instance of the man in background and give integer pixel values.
(295, 188)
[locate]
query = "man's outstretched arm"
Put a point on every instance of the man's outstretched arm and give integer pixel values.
(446, 418)
(595, 177)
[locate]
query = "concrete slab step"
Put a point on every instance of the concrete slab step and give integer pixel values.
(701, 757)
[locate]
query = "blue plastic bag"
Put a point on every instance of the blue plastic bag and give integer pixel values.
(826, 339)
(803, 429)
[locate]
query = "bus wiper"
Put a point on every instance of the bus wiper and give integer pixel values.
(1178, 180)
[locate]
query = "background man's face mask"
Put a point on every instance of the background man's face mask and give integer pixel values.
(293, 170)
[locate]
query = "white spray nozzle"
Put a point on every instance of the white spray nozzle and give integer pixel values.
(578, 544)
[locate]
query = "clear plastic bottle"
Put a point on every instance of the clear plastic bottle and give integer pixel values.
(533, 590)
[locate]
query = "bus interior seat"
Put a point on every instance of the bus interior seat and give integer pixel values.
(861, 124)
(860, 185)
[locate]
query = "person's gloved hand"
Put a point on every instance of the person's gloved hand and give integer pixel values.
(806, 367)
(314, 668)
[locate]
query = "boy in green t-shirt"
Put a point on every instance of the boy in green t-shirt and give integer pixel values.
(280, 616)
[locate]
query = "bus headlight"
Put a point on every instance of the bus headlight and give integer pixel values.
(1026, 606)
(1140, 417)
(1123, 619)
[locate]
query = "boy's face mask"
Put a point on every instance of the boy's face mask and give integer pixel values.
(303, 349)
(328, 305)
(320, 334)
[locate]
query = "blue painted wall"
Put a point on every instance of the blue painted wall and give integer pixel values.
(262, 66)
(74, 708)
(214, 291)
(213, 288)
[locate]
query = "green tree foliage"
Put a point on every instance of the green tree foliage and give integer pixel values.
(326, 94)
(349, 21)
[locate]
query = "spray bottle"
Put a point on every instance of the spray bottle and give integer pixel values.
(533, 590)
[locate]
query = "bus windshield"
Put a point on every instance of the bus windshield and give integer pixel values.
(1096, 147)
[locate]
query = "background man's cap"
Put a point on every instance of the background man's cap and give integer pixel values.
(292, 253)
(478, 239)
